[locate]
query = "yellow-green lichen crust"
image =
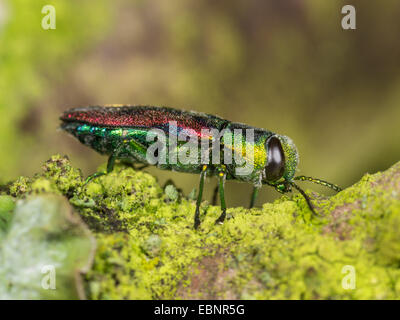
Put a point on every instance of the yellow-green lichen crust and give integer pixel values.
(148, 249)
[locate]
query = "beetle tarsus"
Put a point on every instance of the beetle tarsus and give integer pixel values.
(221, 218)
(110, 168)
(93, 176)
(196, 219)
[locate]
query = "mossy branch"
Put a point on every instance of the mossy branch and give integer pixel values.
(148, 249)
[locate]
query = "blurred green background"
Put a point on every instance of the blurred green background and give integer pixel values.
(287, 66)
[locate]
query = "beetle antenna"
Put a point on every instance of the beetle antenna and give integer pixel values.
(319, 181)
(305, 197)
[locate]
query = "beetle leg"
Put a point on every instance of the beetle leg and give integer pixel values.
(215, 194)
(222, 176)
(199, 197)
(254, 196)
(114, 156)
(110, 167)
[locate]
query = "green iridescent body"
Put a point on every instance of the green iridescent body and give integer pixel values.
(126, 133)
(131, 146)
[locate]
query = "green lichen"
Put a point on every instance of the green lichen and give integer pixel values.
(148, 249)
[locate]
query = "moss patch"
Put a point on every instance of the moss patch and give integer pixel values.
(148, 249)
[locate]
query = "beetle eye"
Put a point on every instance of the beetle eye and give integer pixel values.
(275, 160)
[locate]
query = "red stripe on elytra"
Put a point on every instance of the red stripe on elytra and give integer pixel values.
(136, 118)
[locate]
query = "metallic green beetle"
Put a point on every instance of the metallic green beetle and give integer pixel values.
(129, 132)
